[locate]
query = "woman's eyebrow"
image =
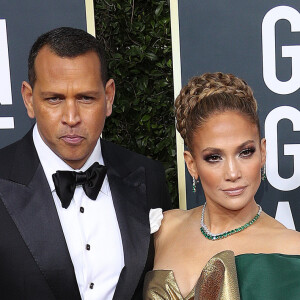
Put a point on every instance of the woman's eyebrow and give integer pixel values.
(218, 150)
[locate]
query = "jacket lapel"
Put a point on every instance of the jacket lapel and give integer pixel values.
(128, 190)
(28, 199)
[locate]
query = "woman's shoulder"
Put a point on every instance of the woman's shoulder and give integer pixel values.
(286, 240)
(175, 217)
(173, 214)
(173, 220)
(290, 240)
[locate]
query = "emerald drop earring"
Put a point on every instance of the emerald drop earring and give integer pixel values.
(194, 185)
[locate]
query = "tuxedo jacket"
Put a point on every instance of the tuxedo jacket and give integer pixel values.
(34, 259)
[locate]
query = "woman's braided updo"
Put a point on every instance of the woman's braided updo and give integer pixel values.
(209, 94)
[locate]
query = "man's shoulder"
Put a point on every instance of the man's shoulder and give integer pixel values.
(20, 152)
(7, 150)
(7, 153)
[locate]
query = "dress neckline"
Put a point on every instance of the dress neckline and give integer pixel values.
(175, 282)
(274, 253)
(236, 256)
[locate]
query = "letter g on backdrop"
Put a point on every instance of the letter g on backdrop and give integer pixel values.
(269, 54)
(283, 88)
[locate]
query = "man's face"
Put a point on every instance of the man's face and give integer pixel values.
(70, 103)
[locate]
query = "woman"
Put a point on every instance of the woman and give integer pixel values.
(217, 118)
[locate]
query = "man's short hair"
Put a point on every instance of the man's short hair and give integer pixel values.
(66, 42)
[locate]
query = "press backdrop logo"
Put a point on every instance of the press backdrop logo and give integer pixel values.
(269, 52)
(283, 88)
(282, 112)
(5, 84)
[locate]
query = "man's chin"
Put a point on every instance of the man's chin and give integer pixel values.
(75, 162)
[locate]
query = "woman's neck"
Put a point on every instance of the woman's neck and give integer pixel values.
(219, 219)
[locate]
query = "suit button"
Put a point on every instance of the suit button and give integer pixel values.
(91, 286)
(87, 247)
(81, 209)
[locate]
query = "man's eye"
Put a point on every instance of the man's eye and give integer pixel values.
(86, 98)
(53, 99)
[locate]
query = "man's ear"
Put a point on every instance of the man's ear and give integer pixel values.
(26, 91)
(109, 96)
(191, 164)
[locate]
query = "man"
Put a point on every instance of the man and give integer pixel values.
(57, 243)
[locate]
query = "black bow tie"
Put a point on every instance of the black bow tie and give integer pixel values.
(91, 180)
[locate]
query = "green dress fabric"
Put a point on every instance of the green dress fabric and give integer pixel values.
(268, 276)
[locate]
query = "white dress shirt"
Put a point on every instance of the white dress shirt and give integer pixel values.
(90, 228)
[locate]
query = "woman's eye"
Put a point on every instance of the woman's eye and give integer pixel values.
(247, 152)
(213, 158)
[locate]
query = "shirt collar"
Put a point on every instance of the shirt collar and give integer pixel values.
(52, 163)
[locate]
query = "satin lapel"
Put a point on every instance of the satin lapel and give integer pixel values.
(33, 211)
(128, 190)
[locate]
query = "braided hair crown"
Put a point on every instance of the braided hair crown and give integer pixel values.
(209, 94)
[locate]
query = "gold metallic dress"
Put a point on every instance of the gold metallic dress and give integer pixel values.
(228, 277)
(218, 280)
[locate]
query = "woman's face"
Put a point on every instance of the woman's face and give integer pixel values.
(227, 157)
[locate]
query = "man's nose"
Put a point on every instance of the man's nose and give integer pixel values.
(71, 113)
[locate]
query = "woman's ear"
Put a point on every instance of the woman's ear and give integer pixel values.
(191, 164)
(263, 151)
